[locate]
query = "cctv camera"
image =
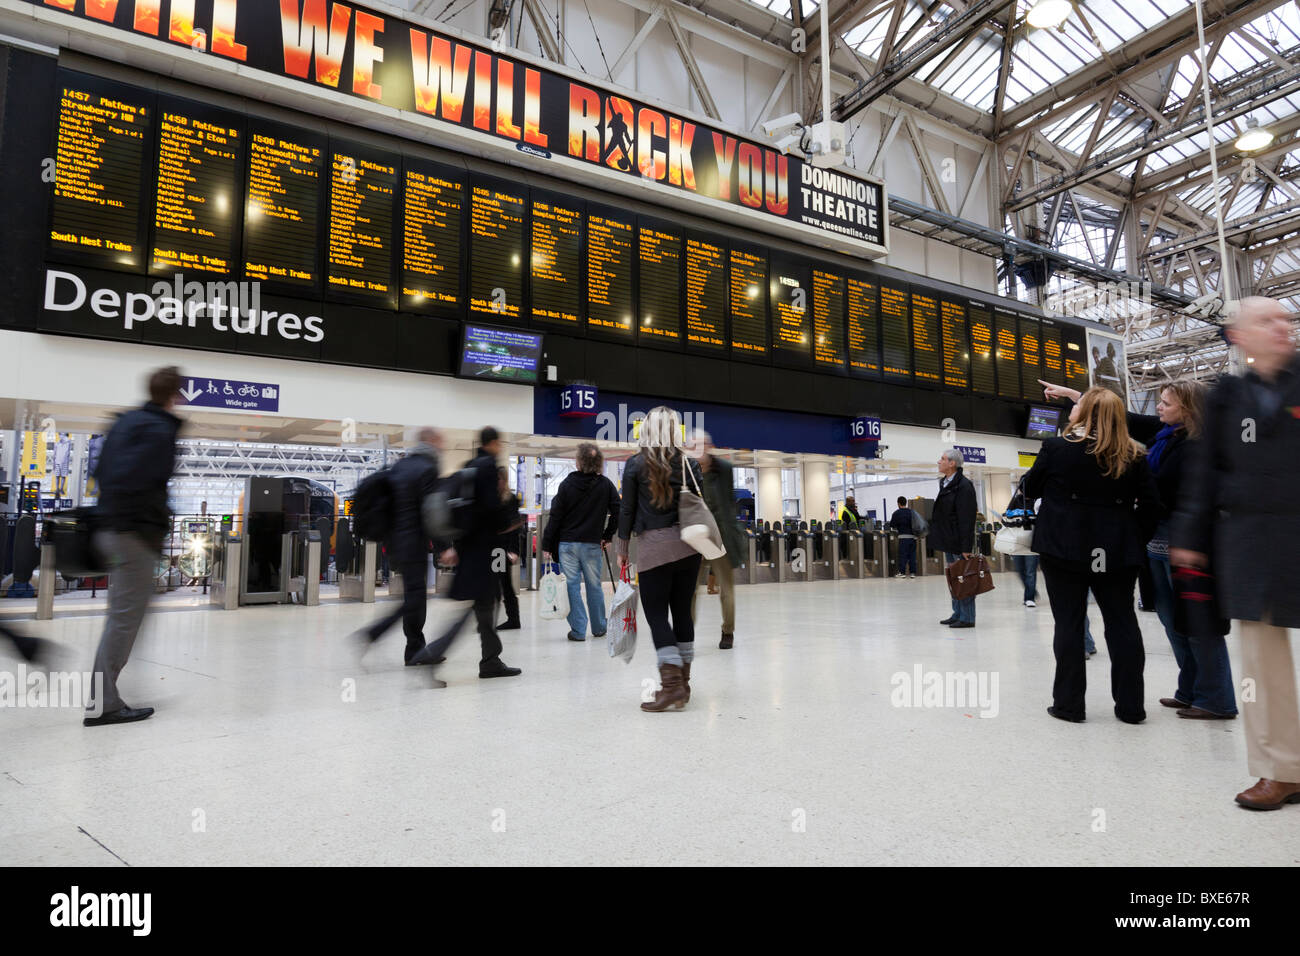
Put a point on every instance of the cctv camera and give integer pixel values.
(774, 126)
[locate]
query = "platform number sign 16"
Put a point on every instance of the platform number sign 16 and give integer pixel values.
(864, 429)
(578, 401)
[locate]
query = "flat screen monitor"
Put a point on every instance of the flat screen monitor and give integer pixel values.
(1043, 422)
(500, 355)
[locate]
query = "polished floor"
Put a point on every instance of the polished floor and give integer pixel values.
(275, 743)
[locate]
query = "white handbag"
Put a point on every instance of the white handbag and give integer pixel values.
(1014, 540)
(699, 529)
(554, 592)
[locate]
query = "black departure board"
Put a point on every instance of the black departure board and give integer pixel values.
(100, 161)
(1053, 357)
(706, 294)
(1075, 357)
(363, 194)
(433, 210)
(1030, 358)
(660, 298)
(748, 284)
(556, 260)
(828, 318)
(496, 250)
(983, 378)
(895, 332)
(611, 242)
(864, 327)
(926, 358)
(286, 168)
(1007, 352)
(196, 200)
(790, 304)
(956, 345)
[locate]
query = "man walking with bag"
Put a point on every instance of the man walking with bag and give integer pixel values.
(719, 495)
(952, 527)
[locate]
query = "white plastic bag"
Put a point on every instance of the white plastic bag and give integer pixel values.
(555, 595)
(1014, 541)
(622, 621)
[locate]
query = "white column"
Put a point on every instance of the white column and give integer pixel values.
(815, 486)
(768, 505)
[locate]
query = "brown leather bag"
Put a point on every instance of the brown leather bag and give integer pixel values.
(968, 577)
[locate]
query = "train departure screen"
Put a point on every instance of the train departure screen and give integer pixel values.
(828, 318)
(610, 243)
(925, 337)
(556, 260)
(791, 309)
(433, 211)
(706, 294)
(982, 349)
(895, 332)
(956, 346)
(1075, 357)
(363, 192)
(496, 240)
(285, 171)
(1007, 352)
(864, 328)
(1053, 357)
(748, 303)
(1030, 357)
(661, 282)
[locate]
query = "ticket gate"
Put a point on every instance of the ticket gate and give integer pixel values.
(876, 558)
(227, 568)
(852, 553)
(825, 565)
(929, 562)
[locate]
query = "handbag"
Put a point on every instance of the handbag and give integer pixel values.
(699, 529)
(72, 534)
(622, 619)
(554, 592)
(968, 577)
(1012, 540)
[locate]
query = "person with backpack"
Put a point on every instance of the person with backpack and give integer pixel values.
(389, 506)
(904, 521)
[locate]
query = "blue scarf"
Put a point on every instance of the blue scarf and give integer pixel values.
(1159, 445)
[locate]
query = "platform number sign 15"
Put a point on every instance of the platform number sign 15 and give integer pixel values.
(864, 429)
(578, 401)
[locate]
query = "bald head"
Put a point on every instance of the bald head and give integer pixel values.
(1262, 329)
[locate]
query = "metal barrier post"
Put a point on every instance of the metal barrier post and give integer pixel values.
(311, 589)
(751, 566)
(369, 562)
(46, 584)
(224, 592)
(779, 540)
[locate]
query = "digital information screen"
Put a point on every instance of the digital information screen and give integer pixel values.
(1053, 363)
(501, 355)
(556, 261)
(828, 318)
(285, 168)
(496, 251)
(1007, 351)
(895, 333)
(925, 338)
(956, 346)
(1043, 422)
(791, 308)
(864, 328)
(982, 349)
(363, 190)
(706, 294)
(610, 242)
(748, 303)
(103, 131)
(661, 283)
(432, 213)
(1075, 357)
(200, 158)
(1030, 357)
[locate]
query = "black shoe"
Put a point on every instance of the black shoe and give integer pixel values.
(1062, 716)
(949, 620)
(499, 671)
(725, 643)
(429, 654)
(509, 626)
(31, 649)
(594, 634)
(123, 715)
(422, 663)
(1130, 720)
(957, 624)
(576, 637)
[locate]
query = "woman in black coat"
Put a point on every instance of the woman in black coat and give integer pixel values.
(1099, 509)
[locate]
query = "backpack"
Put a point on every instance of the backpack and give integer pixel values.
(448, 513)
(373, 506)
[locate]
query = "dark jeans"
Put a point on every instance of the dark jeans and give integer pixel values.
(484, 610)
(906, 555)
(670, 587)
(1026, 566)
(1068, 584)
(412, 610)
(963, 610)
(508, 596)
(1204, 671)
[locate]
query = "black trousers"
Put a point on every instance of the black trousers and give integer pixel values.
(667, 589)
(413, 609)
(508, 596)
(484, 610)
(1068, 584)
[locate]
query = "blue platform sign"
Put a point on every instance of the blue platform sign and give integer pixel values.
(972, 454)
(228, 393)
(864, 429)
(578, 401)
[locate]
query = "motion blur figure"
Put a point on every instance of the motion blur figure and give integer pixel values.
(138, 459)
(31, 649)
(509, 546)
(719, 494)
(1239, 516)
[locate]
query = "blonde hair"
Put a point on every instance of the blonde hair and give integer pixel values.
(1103, 425)
(661, 441)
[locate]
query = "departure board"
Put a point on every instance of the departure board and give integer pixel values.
(1007, 353)
(1030, 358)
(748, 303)
(103, 134)
(196, 200)
(611, 240)
(983, 379)
(1053, 364)
(363, 192)
(285, 171)
(789, 289)
(660, 286)
(956, 345)
(926, 358)
(828, 318)
(895, 333)
(556, 260)
(496, 250)
(706, 294)
(864, 328)
(433, 206)
(1075, 357)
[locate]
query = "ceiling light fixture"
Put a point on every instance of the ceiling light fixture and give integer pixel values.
(1254, 138)
(1048, 14)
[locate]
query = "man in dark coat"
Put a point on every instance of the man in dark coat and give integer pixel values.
(719, 494)
(952, 526)
(138, 459)
(1238, 514)
(475, 579)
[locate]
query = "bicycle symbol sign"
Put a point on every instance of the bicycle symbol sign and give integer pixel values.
(231, 394)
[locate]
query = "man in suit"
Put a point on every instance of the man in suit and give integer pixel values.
(952, 526)
(1239, 515)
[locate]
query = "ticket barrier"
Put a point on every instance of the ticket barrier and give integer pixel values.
(852, 553)
(748, 574)
(930, 562)
(227, 566)
(825, 565)
(799, 561)
(307, 560)
(877, 555)
(357, 581)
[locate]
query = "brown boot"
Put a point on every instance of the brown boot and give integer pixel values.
(686, 682)
(671, 694)
(725, 643)
(1269, 795)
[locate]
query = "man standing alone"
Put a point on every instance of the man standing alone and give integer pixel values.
(952, 526)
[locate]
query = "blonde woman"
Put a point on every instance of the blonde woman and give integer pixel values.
(667, 567)
(1099, 509)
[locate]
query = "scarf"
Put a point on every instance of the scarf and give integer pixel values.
(1158, 446)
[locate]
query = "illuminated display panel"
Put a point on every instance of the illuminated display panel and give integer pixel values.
(895, 332)
(926, 359)
(611, 245)
(496, 247)
(864, 327)
(828, 318)
(982, 349)
(1053, 363)
(660, 285)
(286, 170)
(100, 165)
(790, 306)
(556, 260)
(196, 199)
(956, 345)
(433, 213)
(1030, 358)
(706, 294)
(1075, 356)
(1007, 352)
(363, 197)
(747, 282)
